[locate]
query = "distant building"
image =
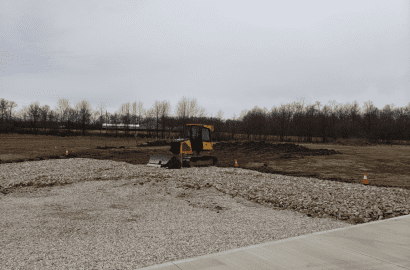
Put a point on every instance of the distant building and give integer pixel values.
(129, 126)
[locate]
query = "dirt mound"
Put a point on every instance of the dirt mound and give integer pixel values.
(286, 149)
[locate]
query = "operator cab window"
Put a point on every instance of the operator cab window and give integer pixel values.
(205, 135)
(195, 133)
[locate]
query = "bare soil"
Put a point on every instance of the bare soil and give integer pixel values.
(343, 161)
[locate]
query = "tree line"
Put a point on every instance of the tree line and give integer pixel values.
(331, 121)
(304, 121)
(64, 117)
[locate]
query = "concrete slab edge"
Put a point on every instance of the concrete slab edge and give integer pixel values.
(269, 243)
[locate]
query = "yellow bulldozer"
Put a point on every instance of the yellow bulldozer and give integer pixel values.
(186, 152)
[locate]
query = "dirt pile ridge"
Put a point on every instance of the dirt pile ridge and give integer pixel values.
(285, 150)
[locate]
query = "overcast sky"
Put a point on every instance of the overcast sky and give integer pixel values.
(229, 55)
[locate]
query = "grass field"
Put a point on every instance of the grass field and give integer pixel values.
(387, 166)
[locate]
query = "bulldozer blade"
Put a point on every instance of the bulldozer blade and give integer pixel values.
(159, 160)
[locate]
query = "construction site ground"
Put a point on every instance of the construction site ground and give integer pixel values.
(89, 181)
(344, 161)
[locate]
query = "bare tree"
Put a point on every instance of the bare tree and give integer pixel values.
(124, 110)
(149, 120)
(157, 111)
(232, 125)
(125, 115)
(72, 118)
(220, 115)
(188, 109)
(134, 112)
(193, 109)
(332, 108)
(182, 109)
(274, 121)
(298, 108)
(340, 120)
(312, 126)
(84, 110)
(99, 114)
(255, 122)
(202, 113)
(137, 112)
(97, 117)
(242, 114)
(387, 123)
(12, 105)
(107, 119)
(63, 107)
(285, 114)
(44, 111)
(182, 113)
(140, 111)
(332, 105)
(327, 128)
(34, 112)
(405, 119)
(165, 111)
(23, 113)
(51, 116)
(3, 107)
(354, 119)
(115, 119)
(371, 119)
(320, 123)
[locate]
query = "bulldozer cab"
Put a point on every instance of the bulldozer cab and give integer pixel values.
(198, 134)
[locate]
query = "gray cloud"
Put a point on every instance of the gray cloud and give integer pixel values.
(230, 55)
